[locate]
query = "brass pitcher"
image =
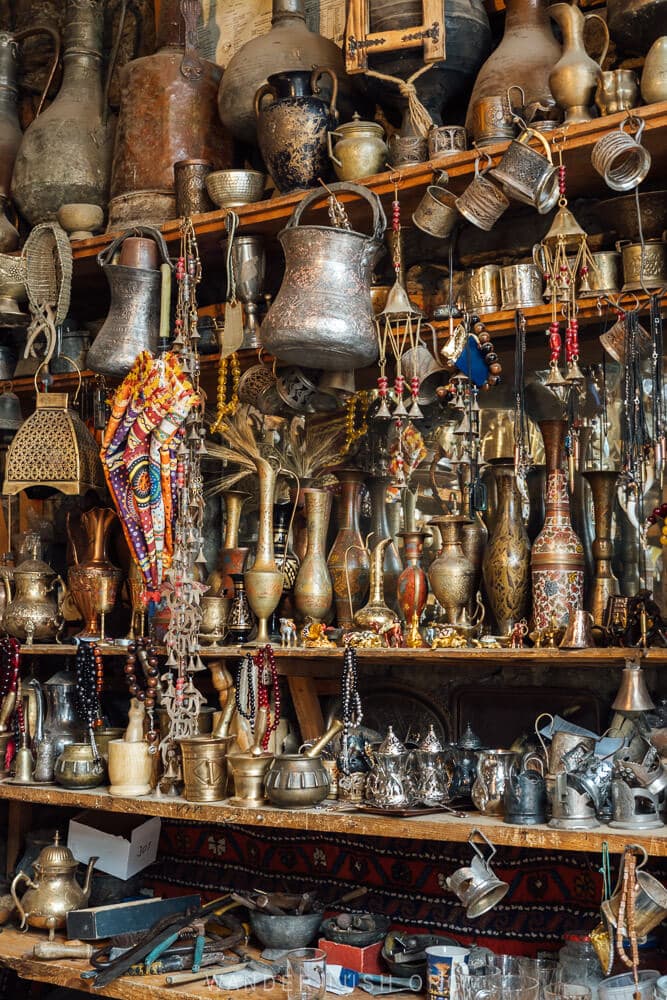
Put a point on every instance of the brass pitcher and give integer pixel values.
(54, 891)
(33, 613)
(93, 579)
(133, 321)
(323, 309)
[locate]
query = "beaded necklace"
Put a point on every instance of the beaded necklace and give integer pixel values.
(89, 668)
(351, 707)
(143, 652)
(10, 658)
(267, 676)
(246, 686)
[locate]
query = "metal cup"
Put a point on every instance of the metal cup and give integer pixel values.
(528, 175)
(617, 90)
(521, 286)
(604, 277)
(436, 213)
(446, 140)
(407, 149)
(482, 289)
(650, 900)
(621, 159)
(579, 632)
(257, 387)
(643, 266)
(190, 186)
(482, 203)
(476, 885)
(493, 118)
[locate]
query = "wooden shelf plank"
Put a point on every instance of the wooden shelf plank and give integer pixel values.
(16, 953)
(336, 818)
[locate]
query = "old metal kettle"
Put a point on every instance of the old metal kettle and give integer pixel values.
(54, 891)
(10, 129)
(390, 783)
(65, 154)
(133, 321)
(298, 780)
(322, 315)
(34, 612)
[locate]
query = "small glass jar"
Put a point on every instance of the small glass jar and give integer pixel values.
(579, 962)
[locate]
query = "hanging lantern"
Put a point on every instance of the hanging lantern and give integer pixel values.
(53, 449)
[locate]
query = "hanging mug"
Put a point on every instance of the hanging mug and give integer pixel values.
(482, 203)
(650, 898)
(493, 118)
(527, 174)
(620, 158)
(436, 213)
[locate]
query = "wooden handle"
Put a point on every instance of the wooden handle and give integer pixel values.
(49, 950)
(180, 978)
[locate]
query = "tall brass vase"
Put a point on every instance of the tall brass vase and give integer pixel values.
(604, 584)
(231, 557)
(557, 562)
(348, 559)
(506, 565)
(264, 582)
(452, 574)
(313, 592)
(93, 579)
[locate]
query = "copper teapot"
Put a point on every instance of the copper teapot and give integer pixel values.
(33, 612)
(54, 891)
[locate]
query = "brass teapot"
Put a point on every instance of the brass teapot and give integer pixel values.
(54, 891)
(33, 613)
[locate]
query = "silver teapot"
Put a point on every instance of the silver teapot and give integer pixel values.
(433, 770)
(390, 783)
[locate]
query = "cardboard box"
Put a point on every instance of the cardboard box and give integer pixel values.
(358, 959)
(124, 844)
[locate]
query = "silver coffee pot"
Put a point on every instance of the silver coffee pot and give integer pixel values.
(390, 784)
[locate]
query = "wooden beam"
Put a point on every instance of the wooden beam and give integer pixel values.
(307, 707)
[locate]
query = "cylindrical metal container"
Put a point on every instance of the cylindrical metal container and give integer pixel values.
(205, 767)
(482, 289)
(191, 193)
(521, 286)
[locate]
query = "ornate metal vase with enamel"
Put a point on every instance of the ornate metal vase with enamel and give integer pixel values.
(323, 310)
(389, 784)
(293, 128)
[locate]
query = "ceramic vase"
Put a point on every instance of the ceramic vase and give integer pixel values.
(287, 563)
(391, 566)
(264, 581)
(313, 592)
(93, 579)
(557, 561)
(536, 484)
(452, 575)
(412, 588)
(527, 53)
(506, 565)
(375, 615)
(348, 561)
(604, 584)
(231, 557)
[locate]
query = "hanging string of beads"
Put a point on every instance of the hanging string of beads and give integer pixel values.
(10, 662)
(356, 418)
(351, 710)
(227, 405)
(142, 675)
(89, 670)
(246, 690)
(267, 678)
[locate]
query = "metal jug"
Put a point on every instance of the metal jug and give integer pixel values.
(133, 321)
(390, 783)
(493, 771)
(54, 891)
(33, 613)
(322, 316)
(525, 795)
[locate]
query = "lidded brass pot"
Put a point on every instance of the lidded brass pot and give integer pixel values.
(33, 612)
(54, 891)
(359, 150)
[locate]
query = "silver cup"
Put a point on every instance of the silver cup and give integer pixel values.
(249, 264)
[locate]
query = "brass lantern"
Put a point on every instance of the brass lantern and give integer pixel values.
(53, 449)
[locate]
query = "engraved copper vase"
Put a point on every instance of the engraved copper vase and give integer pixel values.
(557, 561)
(313, 591)
(348, 560)
(412, 586)
(231, 557)
(604, 583)
(93, 579)
(506, 565)
(452, 574)
(264, 581)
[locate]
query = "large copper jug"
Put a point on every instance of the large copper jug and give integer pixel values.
(10, 129)
(65, 154)
(322, 315)
(133, 321)
(168, 112)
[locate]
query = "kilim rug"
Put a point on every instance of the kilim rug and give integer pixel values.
(550, 892)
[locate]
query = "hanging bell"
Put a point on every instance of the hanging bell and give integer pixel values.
(11, 417)
(565, 231)
(399, 409)
(53, 449)
(383, 412)
(415, 412)
(464, 427)
(574, 372)
(555, 378)
(633, 695)
(133, 321)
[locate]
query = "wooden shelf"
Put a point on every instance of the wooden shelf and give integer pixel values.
(337, 818)
(16, 953)
(291, 661)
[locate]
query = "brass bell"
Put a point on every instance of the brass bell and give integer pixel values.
(633, 695)
(565, 230)
(11, 417)
(574, 372)
(555, 378)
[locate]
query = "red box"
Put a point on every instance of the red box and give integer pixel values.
(358, 959)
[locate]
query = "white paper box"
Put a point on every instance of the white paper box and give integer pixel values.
(124, 844)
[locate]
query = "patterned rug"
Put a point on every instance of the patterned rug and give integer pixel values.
(550, 892)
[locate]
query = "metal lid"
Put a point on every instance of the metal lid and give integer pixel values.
(430, 743)
(56, 855)
(391, 746)
(357, 125)
(469, 740)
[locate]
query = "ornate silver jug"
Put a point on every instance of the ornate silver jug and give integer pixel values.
(389, 784)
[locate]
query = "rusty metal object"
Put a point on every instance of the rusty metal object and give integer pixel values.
(179, 122)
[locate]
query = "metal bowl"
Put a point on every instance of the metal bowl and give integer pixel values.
(620, 215)
(351, 935)
(234, 188)
(290, 930)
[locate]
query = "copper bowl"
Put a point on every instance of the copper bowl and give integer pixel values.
(234, 188)
(620, 215)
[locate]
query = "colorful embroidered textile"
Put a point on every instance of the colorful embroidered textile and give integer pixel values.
(147, 424)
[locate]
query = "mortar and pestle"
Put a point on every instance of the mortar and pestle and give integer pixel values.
(300, 780)
(279, 929)
(130, 759)
(249, 766)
